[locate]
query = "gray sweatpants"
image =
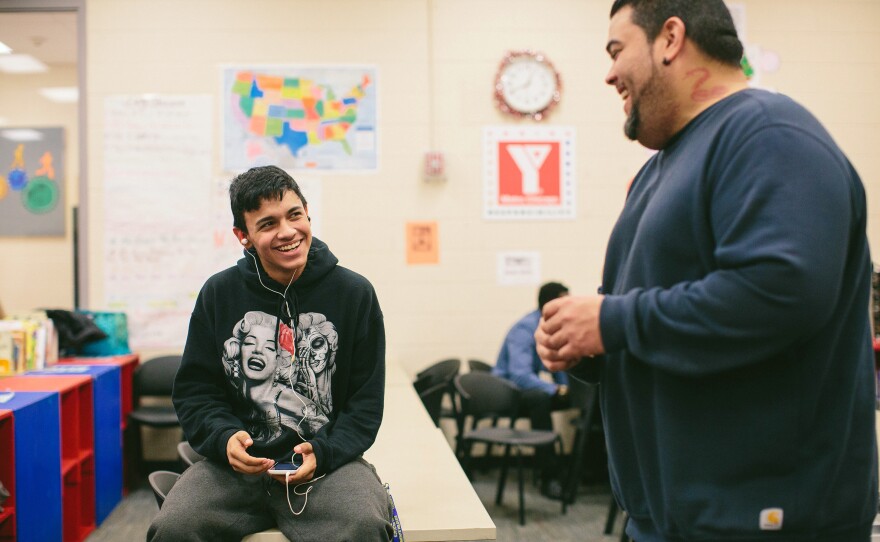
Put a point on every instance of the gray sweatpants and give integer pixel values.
(211, 502)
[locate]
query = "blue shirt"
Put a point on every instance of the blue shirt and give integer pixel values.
(518, 360)
(739, 377)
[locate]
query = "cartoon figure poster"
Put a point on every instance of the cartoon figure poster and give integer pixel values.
(31, 182)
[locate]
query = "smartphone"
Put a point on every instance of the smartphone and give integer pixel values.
(284, 468)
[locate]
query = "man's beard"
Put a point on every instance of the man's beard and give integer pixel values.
(631, 126)
(649, 94)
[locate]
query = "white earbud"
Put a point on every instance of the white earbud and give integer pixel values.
(244, 241)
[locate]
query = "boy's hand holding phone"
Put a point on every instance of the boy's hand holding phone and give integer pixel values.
(297, 472)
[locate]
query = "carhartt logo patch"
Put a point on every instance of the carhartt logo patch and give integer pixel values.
(771, 519)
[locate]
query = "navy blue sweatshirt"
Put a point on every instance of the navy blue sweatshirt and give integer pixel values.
(738, 385)
(305, 366)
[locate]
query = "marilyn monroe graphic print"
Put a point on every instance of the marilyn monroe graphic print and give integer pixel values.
(285, 394)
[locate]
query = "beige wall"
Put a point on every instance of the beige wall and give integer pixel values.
(829, 53)
(38, 271)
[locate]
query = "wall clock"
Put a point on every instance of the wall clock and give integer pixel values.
(527, 84)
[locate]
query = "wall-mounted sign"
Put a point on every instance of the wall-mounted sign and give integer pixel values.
(529, 173)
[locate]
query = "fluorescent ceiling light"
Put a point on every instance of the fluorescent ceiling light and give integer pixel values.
(63, 95)
(21, 64)
(21, 134)
(4, 49)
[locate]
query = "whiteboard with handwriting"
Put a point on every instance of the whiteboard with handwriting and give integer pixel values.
(158, 192)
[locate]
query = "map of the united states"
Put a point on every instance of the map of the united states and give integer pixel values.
(295, 111)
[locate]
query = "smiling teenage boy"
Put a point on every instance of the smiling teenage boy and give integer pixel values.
(285, 354)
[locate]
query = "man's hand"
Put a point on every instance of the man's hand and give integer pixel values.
(240, 460)
(569, 331)
(306, 471)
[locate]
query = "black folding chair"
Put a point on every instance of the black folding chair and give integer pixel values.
(484, 395)
(584, 397)
(475, 365)
(432, 397)
(187, 454)
(152, 378)
(443, 371)
(161, 481)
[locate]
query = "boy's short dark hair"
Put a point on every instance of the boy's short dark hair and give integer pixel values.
(549, 292)
(248, 190)
(708, 24)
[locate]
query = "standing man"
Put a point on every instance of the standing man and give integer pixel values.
(285, 354)
(518, 362)
(737, 371)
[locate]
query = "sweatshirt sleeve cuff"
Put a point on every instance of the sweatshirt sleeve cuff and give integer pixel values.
(611, 323)
(320, 461)
(223, 441)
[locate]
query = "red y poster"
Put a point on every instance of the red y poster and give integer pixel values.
(529, 173)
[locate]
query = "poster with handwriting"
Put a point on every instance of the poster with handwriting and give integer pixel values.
(157, 192)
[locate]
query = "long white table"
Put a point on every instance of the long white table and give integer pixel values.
(435, 500)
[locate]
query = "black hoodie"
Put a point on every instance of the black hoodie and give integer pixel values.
(239, 371)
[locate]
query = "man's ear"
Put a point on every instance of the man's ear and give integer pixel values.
(670, 40)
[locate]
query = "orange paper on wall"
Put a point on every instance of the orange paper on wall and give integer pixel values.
(422, 243)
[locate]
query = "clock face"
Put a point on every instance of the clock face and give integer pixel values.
(527, 85)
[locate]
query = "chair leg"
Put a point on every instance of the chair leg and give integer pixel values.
(522, 500)
(466, 459)
(502, 478)
(490, 448)
(134, 453)
(612, 515)
(575, 463)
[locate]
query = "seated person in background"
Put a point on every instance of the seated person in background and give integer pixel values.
(518, 362)
(285, 354)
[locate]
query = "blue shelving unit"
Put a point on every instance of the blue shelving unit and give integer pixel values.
(106, 386)
(36, 454)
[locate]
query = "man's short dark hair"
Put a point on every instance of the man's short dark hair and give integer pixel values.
(248, 190)
(707, 22)
(549, 292)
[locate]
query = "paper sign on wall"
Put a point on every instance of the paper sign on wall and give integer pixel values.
(422, 243)
(528, 172)
(519, 268)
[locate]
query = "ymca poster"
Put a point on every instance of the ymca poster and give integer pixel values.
(529, 173)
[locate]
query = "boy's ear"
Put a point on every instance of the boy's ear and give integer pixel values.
(240, 235)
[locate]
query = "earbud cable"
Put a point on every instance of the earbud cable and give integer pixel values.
(303, 494)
